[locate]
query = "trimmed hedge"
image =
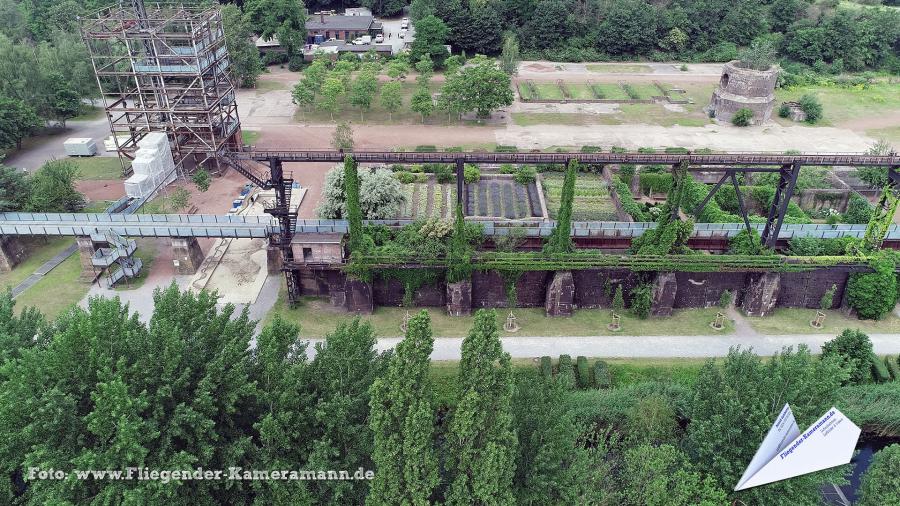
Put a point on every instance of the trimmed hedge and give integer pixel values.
(629, 205)
(583, 372)
(506, 149)
(656, 182)
(880, 372)
(546, 367)
(565, 374)
(427, 148)
(602, 376)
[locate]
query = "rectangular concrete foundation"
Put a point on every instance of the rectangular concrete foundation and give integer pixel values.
(187, 255)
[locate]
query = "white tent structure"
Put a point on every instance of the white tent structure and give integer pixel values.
(153, 166)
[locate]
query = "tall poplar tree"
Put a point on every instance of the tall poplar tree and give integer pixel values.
(481, 442)
(354, 212)
(402, 420)
(560, 240)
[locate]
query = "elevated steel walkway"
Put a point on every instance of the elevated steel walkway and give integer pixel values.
(136, 225)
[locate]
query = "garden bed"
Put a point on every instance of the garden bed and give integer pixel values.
(592, 200)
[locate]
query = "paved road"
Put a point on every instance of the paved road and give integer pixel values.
(646, 346)
(43, 148)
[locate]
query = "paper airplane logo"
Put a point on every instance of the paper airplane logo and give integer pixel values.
(786, 452)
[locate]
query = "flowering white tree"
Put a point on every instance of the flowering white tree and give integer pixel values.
(380, 195)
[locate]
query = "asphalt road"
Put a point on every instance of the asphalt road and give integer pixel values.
(39, 150)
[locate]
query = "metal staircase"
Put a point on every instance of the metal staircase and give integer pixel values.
(119, 254)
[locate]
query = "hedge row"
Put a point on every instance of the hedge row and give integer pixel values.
(580, 374)
(629, 205)
(885, 369)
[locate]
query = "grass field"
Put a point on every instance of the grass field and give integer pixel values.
(845, 104)
(610, 91)
(562, 118)
(548, 91)
(655, 114)
(796, 321)
(892, 135)
(250, 136)
(317, 317)
(580, 91)
(618, 68)
(56, 291)
(97, 167)
(38, 256)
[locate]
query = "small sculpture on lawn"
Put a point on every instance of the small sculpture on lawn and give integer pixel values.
(817, 323)
(511, 325)
(615, 326)
(719, 322)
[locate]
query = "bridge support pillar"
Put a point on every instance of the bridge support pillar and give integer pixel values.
(560, 296)
(664, 288)
(186, 255)
(459, 298)
(86, 249)
(12, 252)
(358, 296)
(274, 258)
(762, 294)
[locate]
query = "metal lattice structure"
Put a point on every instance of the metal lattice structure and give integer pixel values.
(165, 68)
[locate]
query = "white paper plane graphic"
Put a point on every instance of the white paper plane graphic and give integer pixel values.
(786, 452)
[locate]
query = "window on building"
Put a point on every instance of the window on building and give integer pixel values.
(307, 254)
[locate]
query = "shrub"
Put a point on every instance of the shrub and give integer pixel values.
(811, 246)
(583, 372)
(745, 243)
(405, 177)
(827, 300)
(880, 372)
(202, 179)
(453, 149)
(629, 205)
(725, 299)
(380, 195)
(514, 238)
(891, 364)
(742, 117)
(591, 149)
(546, 367)
(853, 349)
(880, 484)
(784, 111)
(507, 168)
(525, 175)
(444, 174)
(602, 377)
(565, 373)
(618, 302)
(874, 294)
(426, 149)
(471, 174)
(626, 173)
(655, 183)
(859, 210)
(812, 107)
(506, 149)
(641, 300)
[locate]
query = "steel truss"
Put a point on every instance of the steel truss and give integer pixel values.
(164, 68)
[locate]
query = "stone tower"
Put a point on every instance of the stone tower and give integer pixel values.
(741, 87)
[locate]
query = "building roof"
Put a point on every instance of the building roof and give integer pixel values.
(339, 22)
(323, 238)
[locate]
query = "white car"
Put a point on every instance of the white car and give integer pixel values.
(379, 38)
(403, 33)
(404, 24)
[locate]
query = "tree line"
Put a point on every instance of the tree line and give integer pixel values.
(99, 389)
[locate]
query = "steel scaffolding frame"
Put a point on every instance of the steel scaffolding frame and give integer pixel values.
(165, 68)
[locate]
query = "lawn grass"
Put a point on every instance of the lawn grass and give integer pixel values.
(42, 252)
(618, 68)
(843, 104)
(250, 136)
(645, 91)
(89, 113)
(796, 321)
(57, 291)
(95, 168)
(891, 134)
(580, 91)
(610, 91)
(317, 317)
(656, 114)
(97, 206)
(548, 91)
(524, 91)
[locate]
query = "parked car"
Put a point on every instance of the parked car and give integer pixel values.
(404, 23)
(379, 38)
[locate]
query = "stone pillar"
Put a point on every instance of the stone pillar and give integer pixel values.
(560, 294)
(186, 255)
(761, 294)
(664, 287)
(358, 296)
(459, 298)
(86, 251)
(274, 258)
(12, 252)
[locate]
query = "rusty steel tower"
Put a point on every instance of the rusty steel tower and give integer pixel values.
(165, 69)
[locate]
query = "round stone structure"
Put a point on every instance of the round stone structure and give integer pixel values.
(744, 88)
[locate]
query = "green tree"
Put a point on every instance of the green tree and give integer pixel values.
(618, 302)
(17, 121)
(342, 373)
(179, 198)
(53, 189)
(425, 69)
(332, 91)
(812, 107)
(391, 99)
(509, 57)
(202, 179)
(343, 137)
(18, 331)
(422, 102)
(628, 27)
(481, 439)
(735, 404)
(397, 70)
(874, 294)
(244, 62)
(743, 117)
(402, 420)
(362, 92)
(481, 87)
(853, 349)
(431, 39)
(354, 212)
(859, 210)
(314, 75)
(281, 19)
(386, 8)
(560, 240)
(64, 101)
(15, 189)
(303, 94)
(881, 481)
(663, 476)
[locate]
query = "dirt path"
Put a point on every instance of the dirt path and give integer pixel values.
(375, 136)
(889, 120)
